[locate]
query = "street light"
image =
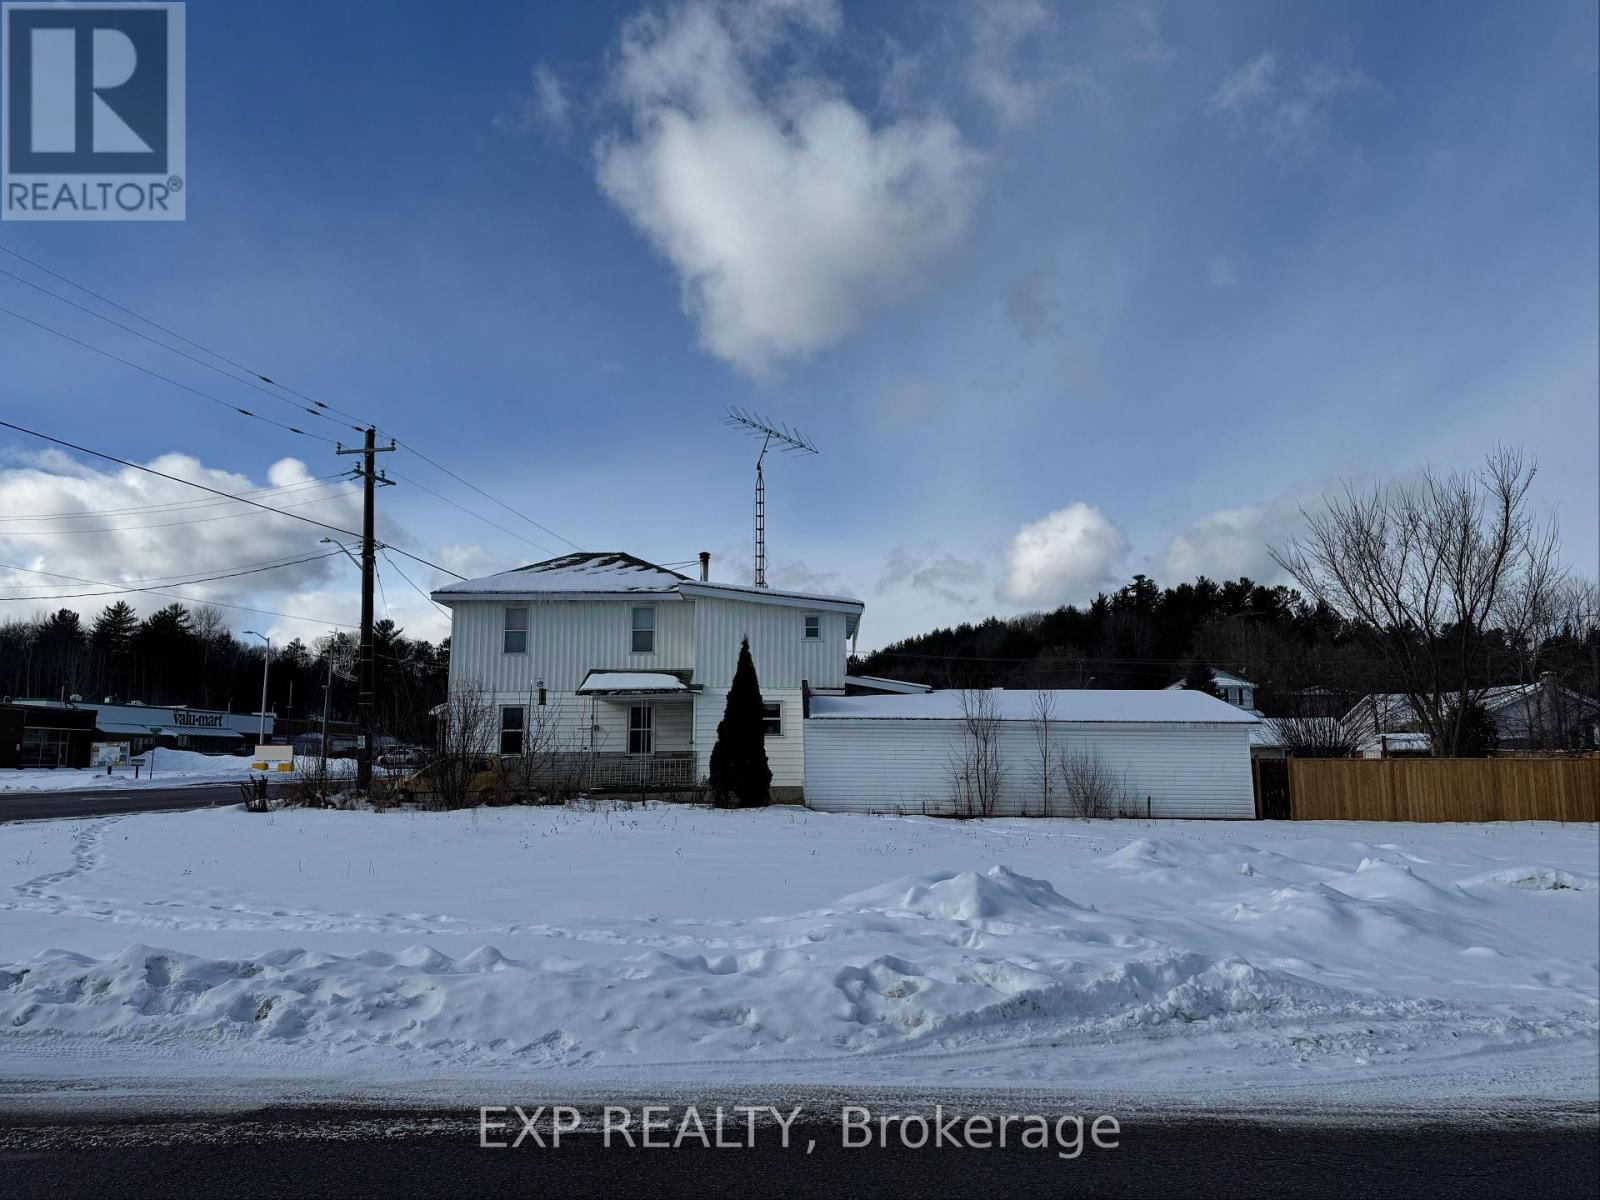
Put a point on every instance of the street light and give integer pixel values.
(266, 663)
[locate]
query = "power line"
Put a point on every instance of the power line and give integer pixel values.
(414, 587)
(164, 378)
(471, 513)
(215, 491)
(179, 579)
(359, 425)
(117, 591)
(15, 533)
(194, 600)
(248, 382)
(174, 333)
(514, 512)
(176, 505)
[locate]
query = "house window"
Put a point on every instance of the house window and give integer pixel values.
(516, 631)
(513, 719)
(813, 627)
(641, 729)
(772, 720)
(644, 631)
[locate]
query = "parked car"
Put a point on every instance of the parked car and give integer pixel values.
(476, 780)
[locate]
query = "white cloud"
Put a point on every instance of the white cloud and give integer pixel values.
(1000, 30)
(1289, 110)
(1231, 542)
(787, 214)
(1063, 557)
(101, 526)
(945, 576)
(546, 107)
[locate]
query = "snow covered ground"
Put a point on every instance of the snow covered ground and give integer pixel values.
(624, 947)
(172, 768)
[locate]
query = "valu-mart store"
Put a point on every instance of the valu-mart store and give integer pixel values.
(47, 742)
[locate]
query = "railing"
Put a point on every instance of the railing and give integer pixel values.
(573, 771)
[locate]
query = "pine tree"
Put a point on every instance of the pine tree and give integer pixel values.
(740, 776)
(1478, 737)
(1199, 678)
(112, 640)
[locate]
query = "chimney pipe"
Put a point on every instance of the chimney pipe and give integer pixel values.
(705, 566)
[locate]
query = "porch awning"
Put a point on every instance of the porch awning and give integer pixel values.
(192, 731)
(123, 729)
(632, 683)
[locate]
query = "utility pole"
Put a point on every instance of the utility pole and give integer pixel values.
(369, 562)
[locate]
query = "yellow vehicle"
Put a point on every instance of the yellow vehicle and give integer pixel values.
(477, 779)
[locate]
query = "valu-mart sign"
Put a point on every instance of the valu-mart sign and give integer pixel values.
(182, 716)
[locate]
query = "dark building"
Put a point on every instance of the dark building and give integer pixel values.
(36, 736)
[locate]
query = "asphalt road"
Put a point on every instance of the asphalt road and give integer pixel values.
(35, 806)
(308, 1155)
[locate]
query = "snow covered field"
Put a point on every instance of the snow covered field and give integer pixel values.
(173, 768)
(623, 947)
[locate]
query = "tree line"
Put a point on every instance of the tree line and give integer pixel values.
(187, 655)
(1435, 590)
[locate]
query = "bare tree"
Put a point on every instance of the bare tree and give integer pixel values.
(556, 761)
(1421, 569)
(976, 771)
(1312, 735)
(463, 725)
(1043, 764)
(1090, 786)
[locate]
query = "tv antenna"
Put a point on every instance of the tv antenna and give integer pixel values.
(790, 441)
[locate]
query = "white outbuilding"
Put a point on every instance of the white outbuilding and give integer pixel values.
(1166, 753)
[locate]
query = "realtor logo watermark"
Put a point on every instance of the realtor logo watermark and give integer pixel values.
(92, 112)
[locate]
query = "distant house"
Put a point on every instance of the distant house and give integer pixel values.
(629, 663)
(1240, 693)
(1544, 714)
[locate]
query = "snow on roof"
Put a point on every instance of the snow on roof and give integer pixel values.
(591, 572)
(1079, 704)
(1220, 678)
(599, 682)
(1394, 708)
(749, 591)
(878, 683)
(611, 572)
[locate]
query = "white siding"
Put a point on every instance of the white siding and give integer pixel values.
(785, 755)
(863, 765)
(566, 640)
(569, 722)
(782, 654)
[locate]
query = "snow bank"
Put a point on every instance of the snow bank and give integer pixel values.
(172, 768)
(662, 943)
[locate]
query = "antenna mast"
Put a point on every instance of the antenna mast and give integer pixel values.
(790, 441)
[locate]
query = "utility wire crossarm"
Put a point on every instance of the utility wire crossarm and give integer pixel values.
(787, 440)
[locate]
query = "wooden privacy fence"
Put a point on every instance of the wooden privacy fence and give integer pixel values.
(1445, 789)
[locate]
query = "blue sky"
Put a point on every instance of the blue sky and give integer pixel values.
(1061, 291)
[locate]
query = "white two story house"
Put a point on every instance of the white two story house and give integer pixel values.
(630, 662)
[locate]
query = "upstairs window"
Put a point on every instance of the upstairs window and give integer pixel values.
(771, 720)
(644, 631)
(513, 720)
(516, 631)
(813, 627)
